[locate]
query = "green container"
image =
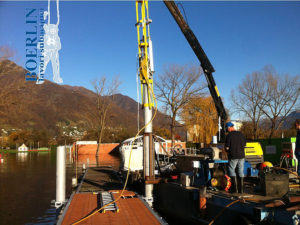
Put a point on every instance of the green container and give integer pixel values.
(273, 153)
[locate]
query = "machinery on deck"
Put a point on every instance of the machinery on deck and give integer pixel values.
(253, 157)
(288, 158)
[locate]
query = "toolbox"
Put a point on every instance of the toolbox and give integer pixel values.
(274, 184)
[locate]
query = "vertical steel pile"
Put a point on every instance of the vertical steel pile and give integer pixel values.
(146, 70)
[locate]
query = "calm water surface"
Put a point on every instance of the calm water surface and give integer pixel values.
(27, 186)
(28, 182)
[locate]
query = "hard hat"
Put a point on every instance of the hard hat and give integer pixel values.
(265, 164)
(214, 182)
(229, 124)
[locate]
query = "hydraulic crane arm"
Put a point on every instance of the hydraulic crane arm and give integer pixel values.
(207, 67)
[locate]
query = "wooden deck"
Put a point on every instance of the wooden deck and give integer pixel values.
(100, 179)
(132, 211)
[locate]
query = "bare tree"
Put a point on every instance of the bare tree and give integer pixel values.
(280, 97)
(175, 87)
(266, 95)
(247, 101)
(105, 92)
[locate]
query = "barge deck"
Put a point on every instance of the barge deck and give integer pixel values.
(130, 208)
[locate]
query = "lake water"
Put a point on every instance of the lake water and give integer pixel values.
(27, 186)
(28, 182)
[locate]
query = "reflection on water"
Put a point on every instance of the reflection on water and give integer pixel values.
(49, 218)
(22, 156)
(27, 185)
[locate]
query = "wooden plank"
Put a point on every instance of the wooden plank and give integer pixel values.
(100, 179)
(132, 211)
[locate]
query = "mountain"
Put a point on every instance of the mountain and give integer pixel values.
(25, 105)
(290, 119)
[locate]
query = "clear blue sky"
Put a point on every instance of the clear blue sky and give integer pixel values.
(99, 38)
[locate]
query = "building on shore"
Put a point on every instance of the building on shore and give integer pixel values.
(23, 148)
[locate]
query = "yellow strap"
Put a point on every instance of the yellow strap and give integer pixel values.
(216, 88)
(149, 105)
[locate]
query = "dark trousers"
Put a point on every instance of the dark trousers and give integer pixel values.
(297, 154)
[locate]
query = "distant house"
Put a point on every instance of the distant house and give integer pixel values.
(23, 147)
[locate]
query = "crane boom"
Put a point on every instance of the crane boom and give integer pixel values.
(207, 67)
